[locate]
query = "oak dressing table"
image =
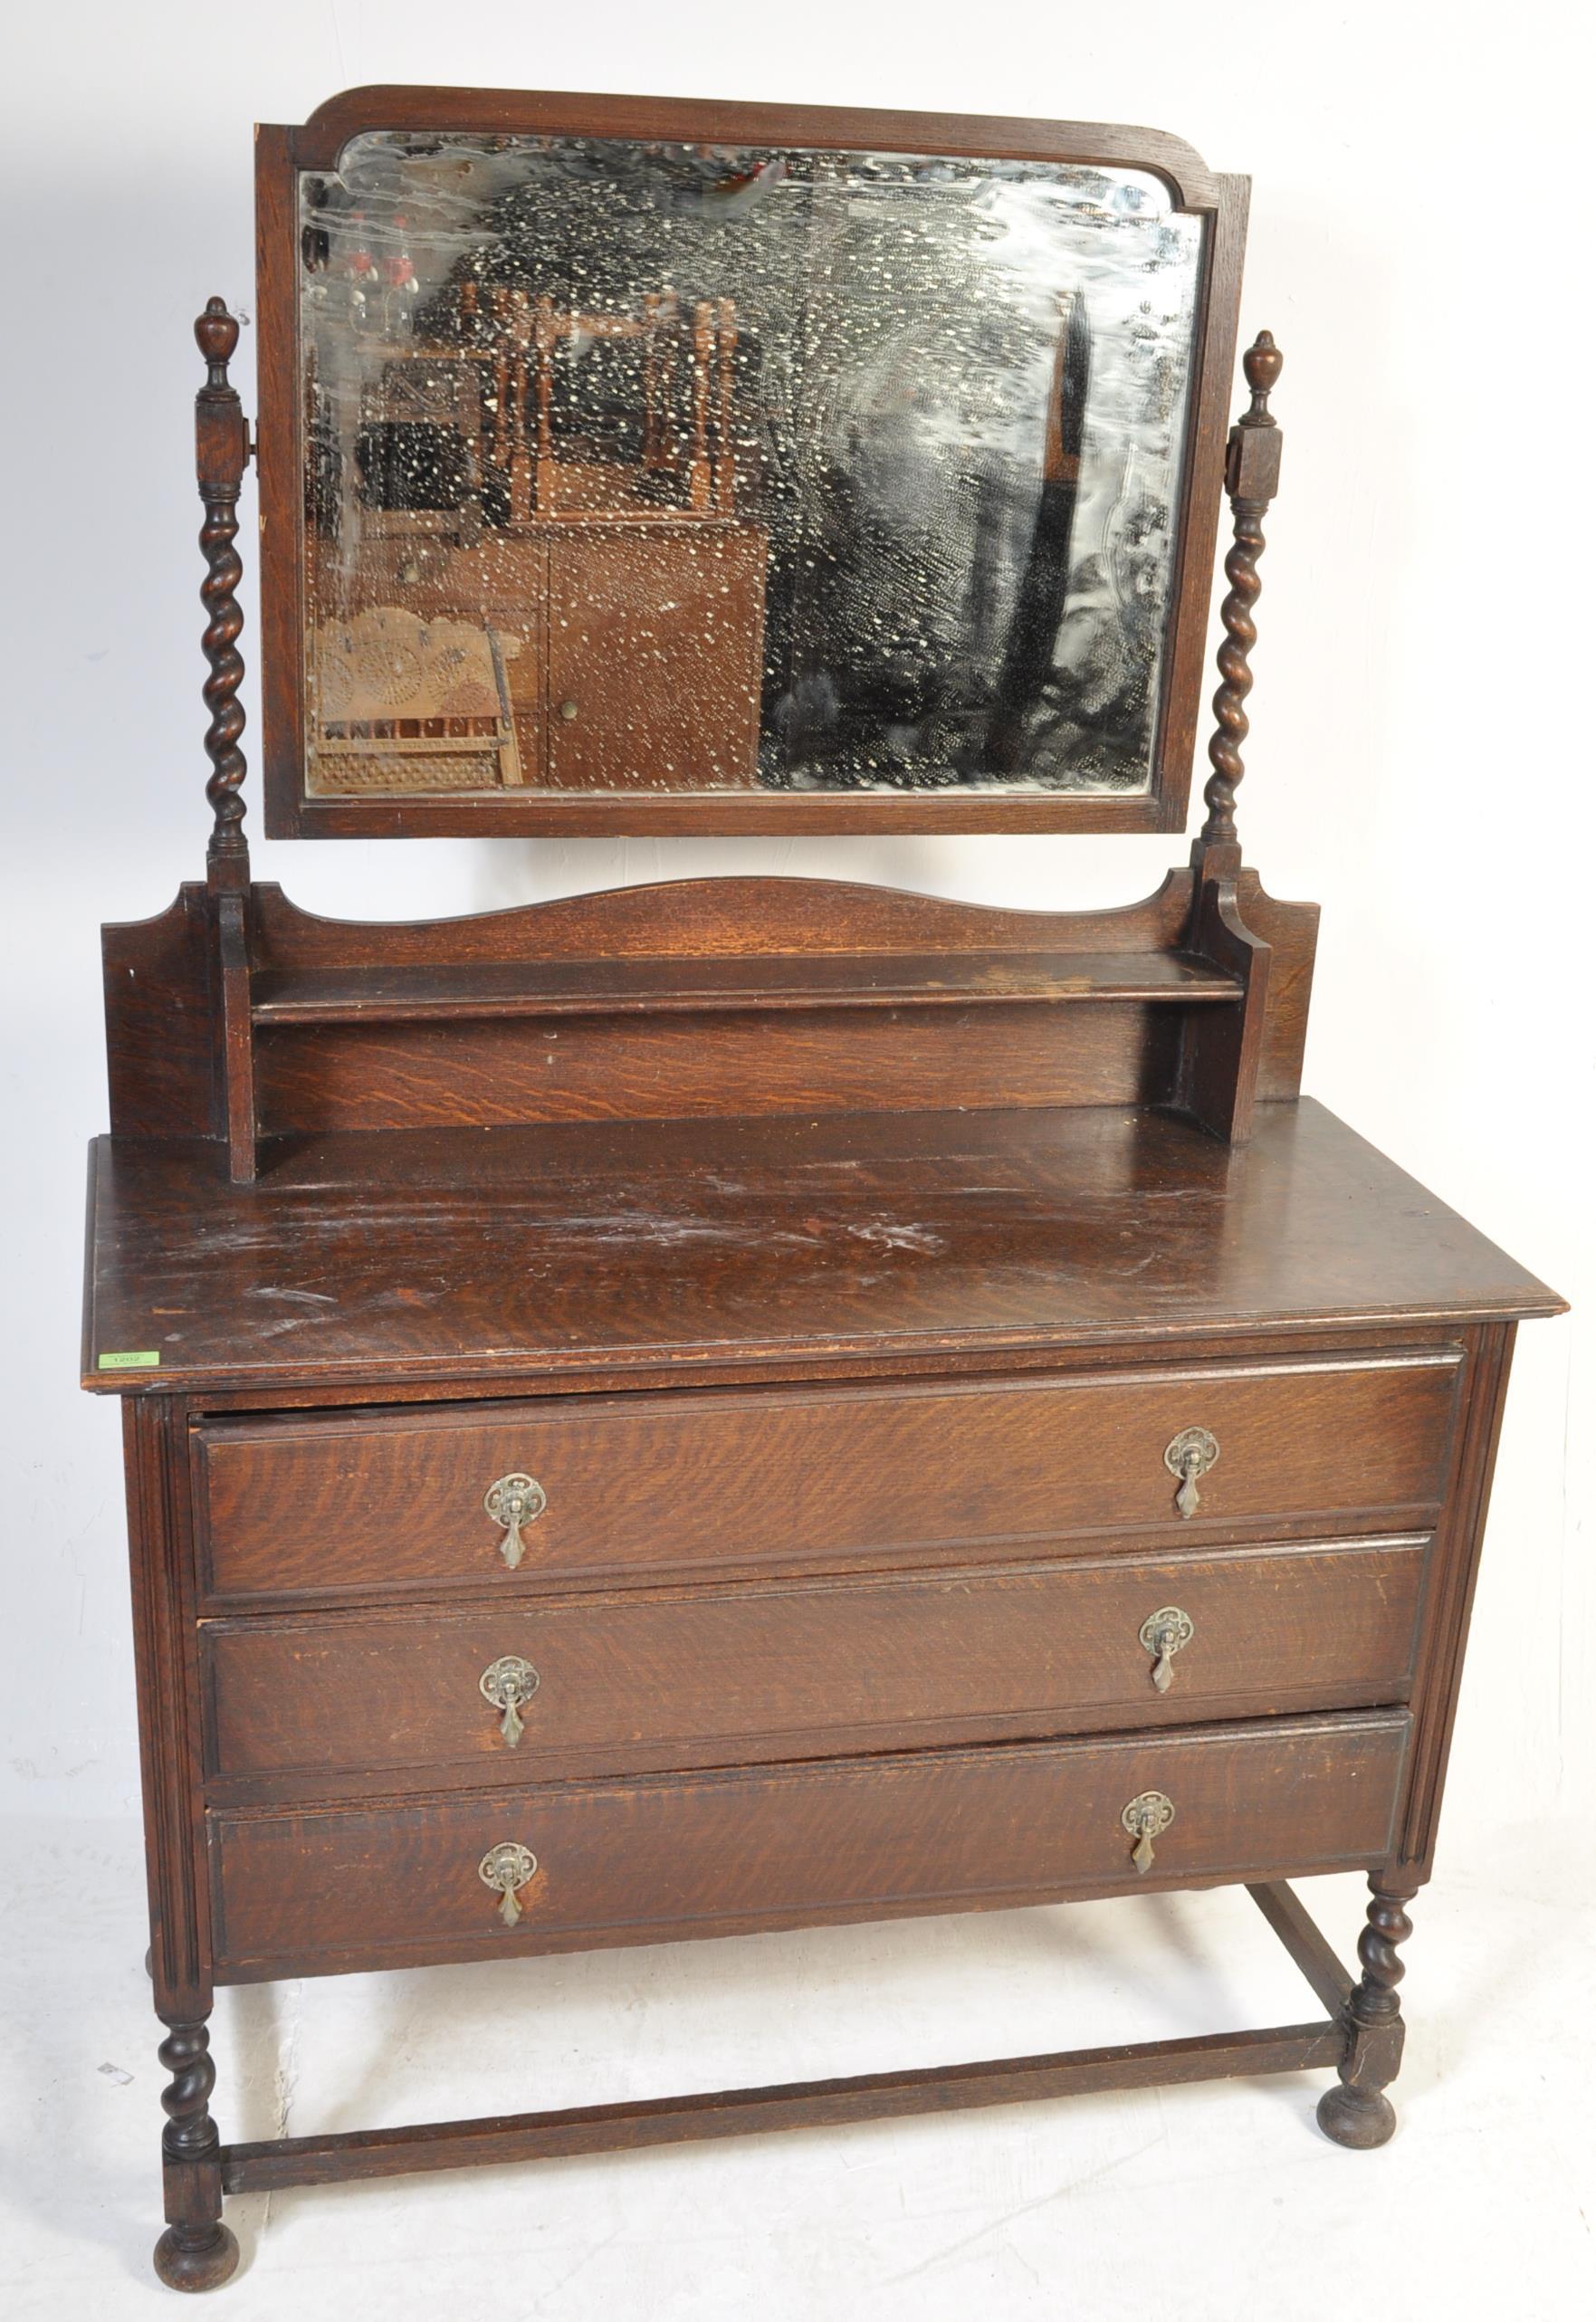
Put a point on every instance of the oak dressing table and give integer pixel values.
(756, 1402)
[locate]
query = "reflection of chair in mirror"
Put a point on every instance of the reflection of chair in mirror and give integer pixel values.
(406, 704)
(699, 464)
(600, 541)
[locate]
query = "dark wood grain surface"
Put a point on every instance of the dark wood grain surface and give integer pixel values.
(711, 121)
(643, 1485)
(772, 925)
(467, 1254)
(730, 1851)
(716, 986)
(771, 1670)
(727, 997)
(491, 1071)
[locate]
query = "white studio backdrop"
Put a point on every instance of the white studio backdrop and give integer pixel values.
(1420, 758)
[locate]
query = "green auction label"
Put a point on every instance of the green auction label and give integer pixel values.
(135, 1359)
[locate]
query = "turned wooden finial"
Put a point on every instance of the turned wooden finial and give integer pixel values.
(216, 333)
(1262, 362)
(222, 447)
(1252, 474)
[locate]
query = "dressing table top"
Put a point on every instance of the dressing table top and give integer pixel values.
(411, 1255)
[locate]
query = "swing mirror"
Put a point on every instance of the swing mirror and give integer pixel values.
(669, 466)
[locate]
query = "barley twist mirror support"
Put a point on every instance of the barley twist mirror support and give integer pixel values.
(221, 450)
(1252, 477)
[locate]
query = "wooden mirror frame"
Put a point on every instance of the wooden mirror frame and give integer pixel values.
(284, 152)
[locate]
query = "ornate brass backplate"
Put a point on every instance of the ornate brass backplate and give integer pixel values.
(1146, 1818)
(1191, 1454)
(507, 1867)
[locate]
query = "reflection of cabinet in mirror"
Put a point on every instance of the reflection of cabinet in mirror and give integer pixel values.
(616, 597)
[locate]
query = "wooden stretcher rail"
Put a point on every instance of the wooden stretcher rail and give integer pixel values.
(747, 2112)
(1311, 1954)
(806, 2104)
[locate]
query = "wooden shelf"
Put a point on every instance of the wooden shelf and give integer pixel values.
(433, 994)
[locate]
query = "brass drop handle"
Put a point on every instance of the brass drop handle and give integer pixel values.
(567, 711)
(506, 1868)
(515, 1501)
(509, 1684)
(1146, 1818)
(1162, 1634)
(1191, 1454)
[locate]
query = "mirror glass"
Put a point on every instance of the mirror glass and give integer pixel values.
(655, 467)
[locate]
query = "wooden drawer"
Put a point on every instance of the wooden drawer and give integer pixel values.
(767, 1671)
(672, 1484)
(831, 1840)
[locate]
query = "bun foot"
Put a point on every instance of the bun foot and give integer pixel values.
(196, 2251)
(1356, 2113)
(187, 2261)
(1360, 2118)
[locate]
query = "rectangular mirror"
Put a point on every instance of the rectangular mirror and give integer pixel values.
(736, 481)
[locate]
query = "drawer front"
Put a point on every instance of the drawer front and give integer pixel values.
(638, 1484)
(580, 1686)
(717, 1853)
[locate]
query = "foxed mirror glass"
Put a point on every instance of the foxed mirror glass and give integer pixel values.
(646, 468)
